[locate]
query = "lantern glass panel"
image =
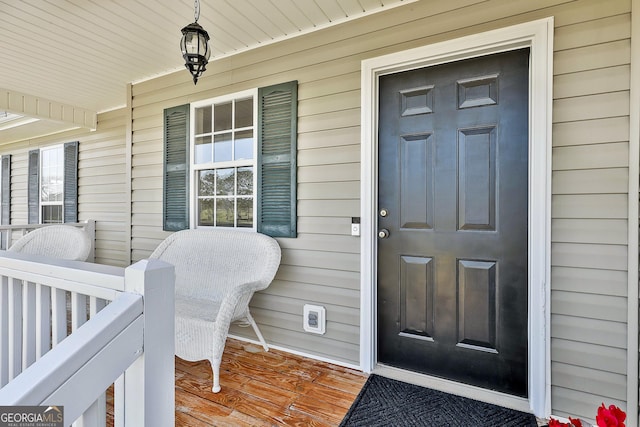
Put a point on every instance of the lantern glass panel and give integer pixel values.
(190, 42)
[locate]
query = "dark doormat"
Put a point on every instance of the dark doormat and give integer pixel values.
(386, 402)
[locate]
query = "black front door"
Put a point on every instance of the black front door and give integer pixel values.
(453, 206)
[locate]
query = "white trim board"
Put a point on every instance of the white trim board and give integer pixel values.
(634, 171)
(477, 393)
(538, 36)
(289, 350)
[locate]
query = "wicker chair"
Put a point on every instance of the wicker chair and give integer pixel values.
(217, 272)
(55, 241)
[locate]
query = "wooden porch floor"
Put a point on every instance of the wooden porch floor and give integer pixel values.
(264, 389)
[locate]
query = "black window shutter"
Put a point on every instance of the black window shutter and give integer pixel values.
(71, 182)
(277, 149)
(5, 214)
(33, 187)
(175, 209)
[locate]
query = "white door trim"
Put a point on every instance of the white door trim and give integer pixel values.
(538, 36)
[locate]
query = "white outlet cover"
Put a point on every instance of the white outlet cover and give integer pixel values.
(320, 312)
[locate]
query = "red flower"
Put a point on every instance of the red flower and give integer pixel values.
(612, 417)
(575, 422)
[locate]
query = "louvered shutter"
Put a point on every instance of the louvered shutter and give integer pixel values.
(33, 187)
(175, 211)
(70, 182)
(5, 216)
(277, 148)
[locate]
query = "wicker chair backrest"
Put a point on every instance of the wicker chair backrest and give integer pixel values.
(209, 263)
(55, 241)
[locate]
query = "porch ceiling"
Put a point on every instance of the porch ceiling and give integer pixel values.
(79, 54)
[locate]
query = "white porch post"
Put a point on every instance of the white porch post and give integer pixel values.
(149, 393)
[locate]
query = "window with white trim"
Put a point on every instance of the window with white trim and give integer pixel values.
(212, 178)
(223, 161)
(51, 185)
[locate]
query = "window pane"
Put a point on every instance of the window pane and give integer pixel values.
(206, 182)
(55, 194)
(245, 212)
(244, 145)
(203, 120)
(226, 182)
(224, 212)
(222, 148)
(205, 212)
(224, 163)
(245, 181)
(45, 159)
(222, 116)
(53, 186)
(51, 175)
(203, 150)
(244, 113)
(52, 214)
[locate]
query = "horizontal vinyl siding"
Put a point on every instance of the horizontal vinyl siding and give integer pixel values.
(589, 211)
(590, 175)
(146, 184)
(102, 192)
(19, 171)
(321, 266)
(101, 182)
(589, 204)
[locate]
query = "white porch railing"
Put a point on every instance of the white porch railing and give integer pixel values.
(10, 233)
(55, 352)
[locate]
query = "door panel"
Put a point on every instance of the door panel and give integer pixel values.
(416, 190)
(477, 305)
(477, 179)
(416, 287)
(452, 175)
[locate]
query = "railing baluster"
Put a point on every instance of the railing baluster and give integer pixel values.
(43, 320)
(29, 309)
(118, 402)
(78, 310)
(97, 413)
(95, 305)
(15, 328)
(59, 316)
(4, 331)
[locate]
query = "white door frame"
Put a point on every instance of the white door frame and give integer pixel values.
(538, 36)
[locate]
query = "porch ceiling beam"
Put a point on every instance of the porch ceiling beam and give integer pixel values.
(45, 109)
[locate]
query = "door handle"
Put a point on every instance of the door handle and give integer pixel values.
(383, 234)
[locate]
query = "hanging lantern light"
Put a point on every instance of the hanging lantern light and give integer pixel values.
(195, 46)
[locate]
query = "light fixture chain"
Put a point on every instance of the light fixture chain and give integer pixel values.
(196, 7)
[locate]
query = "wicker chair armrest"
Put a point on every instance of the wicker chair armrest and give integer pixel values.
(229, 303)
(227, 309)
